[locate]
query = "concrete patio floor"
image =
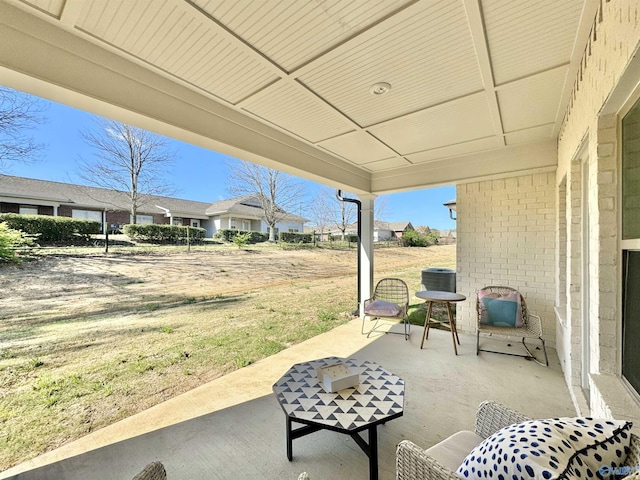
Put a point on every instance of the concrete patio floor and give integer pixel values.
(233, 427)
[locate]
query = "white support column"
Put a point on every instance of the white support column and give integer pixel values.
(55, 210)
(366, 249)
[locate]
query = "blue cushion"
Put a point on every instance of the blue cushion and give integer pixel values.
(500, 310)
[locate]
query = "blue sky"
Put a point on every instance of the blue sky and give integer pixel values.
(198, 174)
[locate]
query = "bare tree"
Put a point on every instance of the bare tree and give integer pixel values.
(277, 191)
(127, 159)
(381, 210)
(19, 112)
(344, 214)
(322, 209)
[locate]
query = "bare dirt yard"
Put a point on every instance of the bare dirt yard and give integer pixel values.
(89, 338)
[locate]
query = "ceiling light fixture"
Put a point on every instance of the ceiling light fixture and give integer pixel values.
(380, 88)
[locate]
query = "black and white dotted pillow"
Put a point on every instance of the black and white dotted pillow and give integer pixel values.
(549, 449)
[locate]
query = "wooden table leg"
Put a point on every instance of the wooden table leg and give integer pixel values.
(427, 319)
(452, 327)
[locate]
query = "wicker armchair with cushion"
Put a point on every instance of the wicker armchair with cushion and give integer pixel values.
(464, 452)
(503, 311)
(390, 301)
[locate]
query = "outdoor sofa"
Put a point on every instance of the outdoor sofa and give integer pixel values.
(442, 460)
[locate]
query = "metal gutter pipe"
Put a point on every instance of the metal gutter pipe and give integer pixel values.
(359, 221)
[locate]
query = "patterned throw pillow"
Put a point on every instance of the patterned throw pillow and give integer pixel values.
(382, 308)
(500, 310)
(548, 449)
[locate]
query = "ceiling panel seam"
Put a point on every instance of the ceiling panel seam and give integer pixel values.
(530, 76)
(414, 113)
(479, 36)
(71, 11)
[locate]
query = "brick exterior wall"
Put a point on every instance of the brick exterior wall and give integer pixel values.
(600, 85)
(506, 236)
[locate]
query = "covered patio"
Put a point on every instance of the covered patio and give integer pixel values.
(519, 104)
(233, 427)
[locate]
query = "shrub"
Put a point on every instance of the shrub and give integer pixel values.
(242, 239)
(411, 238)
(295, 237)
(163, 233)
(51, 229)
(228, 234)
(432, 238)
(11, 241)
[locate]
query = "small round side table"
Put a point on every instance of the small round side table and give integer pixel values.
(432, 296)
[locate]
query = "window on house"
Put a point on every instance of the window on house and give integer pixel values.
(28, 210)
(86, 215)
(631, 246)
(144, 219)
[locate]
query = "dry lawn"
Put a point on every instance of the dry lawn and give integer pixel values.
(88, 339)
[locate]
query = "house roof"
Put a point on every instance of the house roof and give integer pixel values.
(248, 205)
(21, 188)
(474, 88)
(93, 197)
(400, 226)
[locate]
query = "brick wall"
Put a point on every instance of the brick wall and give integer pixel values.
(506, 236)
(600, 89)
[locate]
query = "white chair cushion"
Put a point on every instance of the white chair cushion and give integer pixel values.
(453, 450)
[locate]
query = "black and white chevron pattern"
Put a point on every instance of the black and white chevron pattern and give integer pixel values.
(380, 394)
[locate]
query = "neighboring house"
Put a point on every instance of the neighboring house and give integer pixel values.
(399, 228)
(446, 237)
(382, 230)
(245, 213)
(40, 197)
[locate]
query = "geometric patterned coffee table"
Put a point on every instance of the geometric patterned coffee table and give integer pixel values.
(378, 398)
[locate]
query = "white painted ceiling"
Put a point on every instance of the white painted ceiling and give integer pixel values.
(478, 87)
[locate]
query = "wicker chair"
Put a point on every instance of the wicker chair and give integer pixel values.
(390, 301)
(153, 471)
(532, 327)
(415, 463)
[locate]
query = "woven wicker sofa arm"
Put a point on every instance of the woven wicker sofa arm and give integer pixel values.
(492, 416)
(633, 459)
(412, 463)
(153, 471)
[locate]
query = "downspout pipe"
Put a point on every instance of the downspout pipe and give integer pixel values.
(359, 207)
